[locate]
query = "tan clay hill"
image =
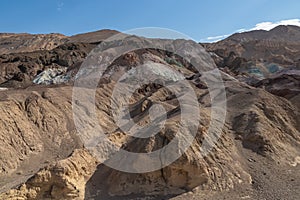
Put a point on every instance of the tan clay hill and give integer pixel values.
(43, 157)
(15, 43)
(23, 42)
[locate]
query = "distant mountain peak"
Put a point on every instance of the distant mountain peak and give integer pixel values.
(93, 37)
(26, 42)
(287, 33)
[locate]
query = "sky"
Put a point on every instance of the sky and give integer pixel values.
(202, 20)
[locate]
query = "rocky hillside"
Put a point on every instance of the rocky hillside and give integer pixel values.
(265, 59)
(25, 56)
(257, 155)
(23, 42)
(15, 43)
(259, 53)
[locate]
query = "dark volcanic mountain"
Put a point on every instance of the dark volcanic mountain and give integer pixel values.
(268, 59)
(260, 52)
(24, 56)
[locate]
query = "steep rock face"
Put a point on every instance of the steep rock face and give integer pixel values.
(62, 180)
(285, 84)
(189, 171)
(35, 130)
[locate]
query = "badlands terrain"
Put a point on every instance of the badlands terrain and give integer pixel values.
(256, 156)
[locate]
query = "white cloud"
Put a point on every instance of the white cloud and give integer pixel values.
(260, 26)
(215, 38)
(270, 25)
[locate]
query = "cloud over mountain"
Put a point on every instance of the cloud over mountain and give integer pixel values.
(260, 26)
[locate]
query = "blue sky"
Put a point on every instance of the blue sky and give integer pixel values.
(198, 19)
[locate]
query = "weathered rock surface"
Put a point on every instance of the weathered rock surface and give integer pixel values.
(285, 84)
(43, 157)
(63, 180)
